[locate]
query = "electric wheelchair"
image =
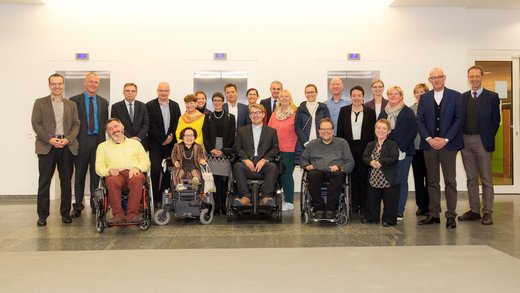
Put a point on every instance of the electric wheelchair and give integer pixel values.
(255, 208)
(343, 212)
(185, 202)
(102, 206)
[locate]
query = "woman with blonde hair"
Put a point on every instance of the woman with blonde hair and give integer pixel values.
(283, 121)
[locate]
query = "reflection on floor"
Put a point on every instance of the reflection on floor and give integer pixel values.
(298, 257)
(18, 231)
(327, 269)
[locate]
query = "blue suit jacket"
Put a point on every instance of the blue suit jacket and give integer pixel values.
(452, 119)
(405, 130)
(489, 116)
(243, 114)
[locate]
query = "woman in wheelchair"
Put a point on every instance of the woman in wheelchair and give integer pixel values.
(187, 157)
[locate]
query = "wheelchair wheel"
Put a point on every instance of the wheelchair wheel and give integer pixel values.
(100, 220)
(304, 218)
(145, 225)
(205, 216)
(341, 219)
(161, 217)
(231, 215)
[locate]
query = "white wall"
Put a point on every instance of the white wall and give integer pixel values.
(155, 41)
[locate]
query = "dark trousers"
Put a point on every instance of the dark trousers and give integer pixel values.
(86, 159)
(420, 178)
(46, 166)
(359, 178)
(436, 159)
(390, 197)
(269, 172)
(134, 185)
(315, 179)
(221, 185)
(159, 184)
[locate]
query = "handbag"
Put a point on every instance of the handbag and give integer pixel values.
(207, 177)
(219, 165)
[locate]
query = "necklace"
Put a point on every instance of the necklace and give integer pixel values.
(220, 115)
(184, 154)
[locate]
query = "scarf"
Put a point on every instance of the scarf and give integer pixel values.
(392, 113)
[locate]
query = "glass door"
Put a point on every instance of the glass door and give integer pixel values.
(502, 75)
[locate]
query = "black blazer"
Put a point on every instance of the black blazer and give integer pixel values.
(372, 105)
(209, 131)
(244, 147)
(242, 115)
(405, 130)
(156, 134)
(489, 119)
(102, 109)
(268, 107)
(139, 127)
(367, 126)
(388, 159)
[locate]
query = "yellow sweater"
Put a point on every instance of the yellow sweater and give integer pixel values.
(197, 125)
(126, 155)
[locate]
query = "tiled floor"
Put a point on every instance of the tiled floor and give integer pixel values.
(367, 258)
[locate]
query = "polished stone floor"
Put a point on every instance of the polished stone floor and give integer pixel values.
(18, 231)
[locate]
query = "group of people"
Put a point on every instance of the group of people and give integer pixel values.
(376, 142)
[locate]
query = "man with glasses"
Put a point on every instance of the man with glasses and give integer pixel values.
(439, 121)
(56, 124)
(326, 159)
(256, 146)
(133, 114)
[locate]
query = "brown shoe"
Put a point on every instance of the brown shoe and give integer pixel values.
(469, 216)
(487, 219)
(267, 201)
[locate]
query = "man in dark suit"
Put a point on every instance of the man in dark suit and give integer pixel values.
(232, 106)
(481, 122)
(164, 115)
(93, 115)
(256, 146)
(270, 103)
(439, 121)
(133, 114)
(56, 124)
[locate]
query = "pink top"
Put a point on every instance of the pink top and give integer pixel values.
(285, 130)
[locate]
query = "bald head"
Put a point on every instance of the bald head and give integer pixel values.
(163, 91)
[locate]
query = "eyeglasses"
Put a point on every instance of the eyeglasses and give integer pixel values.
(325, 129)
(438, 77)
(255, 113)
(189, 135)
(378, 87)
(308, 93)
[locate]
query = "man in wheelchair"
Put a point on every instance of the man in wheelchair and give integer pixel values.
(326, 159)
(256, 146)
(122, 162)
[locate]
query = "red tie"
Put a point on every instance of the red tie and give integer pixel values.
(91, 123)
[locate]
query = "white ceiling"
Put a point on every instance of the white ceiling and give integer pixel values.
(470, 4)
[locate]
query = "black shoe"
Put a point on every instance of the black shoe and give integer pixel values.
(330, 215)
(75, 213)
(41, 222)
(429, 220)
(469, 216)
(421, 212)
(450, 223)
(66, 219)
(386, 224)
(487, 219)
(318, 215)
